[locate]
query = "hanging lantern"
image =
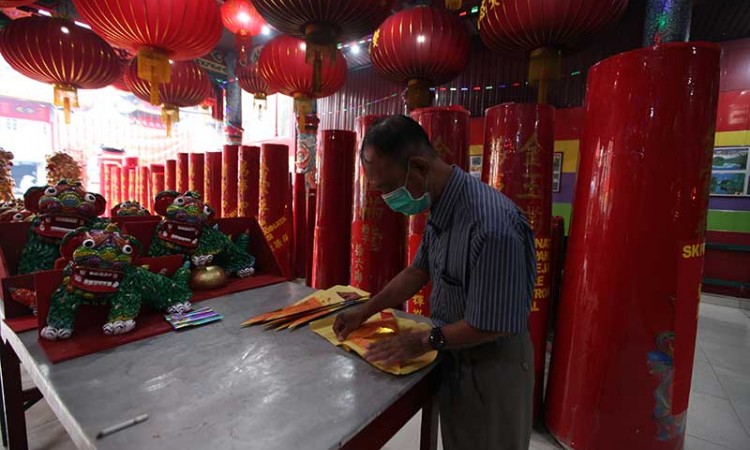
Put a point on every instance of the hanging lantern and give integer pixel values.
(57, 51)
(158, 31)
(423, 47)
(282, 64)
(242, 19)
(119, 82)
(541, 27)
(189, 87)
(251, 81)
(324, 23)
(15, 3)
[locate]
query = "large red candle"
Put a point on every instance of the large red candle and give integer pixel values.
(448, 129)
(144, 187)
(248, 184)
(334, 217)
(132, 183)
(183, 172)
(229, 180)
(377, 248)
(312, 202)
(115, 176)
(128, 180)
(197, 173)
(170, 175)
(213, 182)
(272, 214)
(518, 151)
(623, 353)
(300, 224)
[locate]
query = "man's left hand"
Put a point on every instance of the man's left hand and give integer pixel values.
(398, 349)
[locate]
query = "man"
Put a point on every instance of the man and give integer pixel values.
(478, 250)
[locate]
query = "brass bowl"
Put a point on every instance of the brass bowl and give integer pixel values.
(207, 278)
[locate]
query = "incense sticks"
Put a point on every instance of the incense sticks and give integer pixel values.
(193, 318)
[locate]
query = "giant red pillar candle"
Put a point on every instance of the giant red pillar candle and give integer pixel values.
(518, 152)
(300, 217)
(272, 214)
(115, 174)
(248, 193)
(312, 204)
(132, 183)
(623, 352)
(128, 179)
(213, 182)
(183, 172)
(158, 180)
(144, 186)
(334, 217)
(170, 175)
(197, 173)
(448, 129)
(378, 245)
(229, 180)
(105, 180)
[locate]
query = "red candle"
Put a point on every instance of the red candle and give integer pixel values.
(183, 172)
(248, 184)
(229, 180)
(197, 173)
(213, 182)
(272, 215)
(170, 175)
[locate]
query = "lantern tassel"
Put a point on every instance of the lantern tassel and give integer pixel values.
(242, 43)
(315, 54)
(170, 115)
(303, 107)
(544, 65)
(454, 5)
(153, 66)
(66, 96)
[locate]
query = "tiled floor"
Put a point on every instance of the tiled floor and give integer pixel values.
(718, 418)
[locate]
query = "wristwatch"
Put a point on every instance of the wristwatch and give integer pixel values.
(436, 339)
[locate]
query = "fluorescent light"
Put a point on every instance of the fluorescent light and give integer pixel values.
(355, 50)
(81, 24)
(65, 30)
(421, 39)
(266, 30)
(303, 46)
(43, 12)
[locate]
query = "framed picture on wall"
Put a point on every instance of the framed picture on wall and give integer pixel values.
(475, 165)
(730, 171)
(557, 161)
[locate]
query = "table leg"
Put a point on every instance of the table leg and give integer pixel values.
(429, 436)
(15, 415)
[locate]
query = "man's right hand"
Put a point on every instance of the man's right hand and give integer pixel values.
(350, 320)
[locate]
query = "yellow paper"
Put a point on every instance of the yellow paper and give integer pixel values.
(324, 328)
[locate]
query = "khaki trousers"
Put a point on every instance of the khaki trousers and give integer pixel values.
(486, 395)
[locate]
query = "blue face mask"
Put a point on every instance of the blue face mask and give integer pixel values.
(401, 200)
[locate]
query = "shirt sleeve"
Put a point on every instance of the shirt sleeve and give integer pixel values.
(501, 282)
(421, 260)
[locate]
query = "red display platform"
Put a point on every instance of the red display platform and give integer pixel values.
(12, 240)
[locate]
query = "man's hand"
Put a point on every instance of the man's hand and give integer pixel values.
(398, 349)
(350, 320)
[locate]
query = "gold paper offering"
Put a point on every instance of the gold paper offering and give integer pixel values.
(380, 326)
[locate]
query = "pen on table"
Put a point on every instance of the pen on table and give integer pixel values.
(121, 426)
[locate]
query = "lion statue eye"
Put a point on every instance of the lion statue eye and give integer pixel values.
(127, 249)
(50, 191)
(207, 210)
(179, 201)
(18, 216)
(89, 243)
(89, 197)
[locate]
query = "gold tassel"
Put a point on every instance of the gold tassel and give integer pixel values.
(454, 5)
(170, 115)
(66, 96)
(544, 65)
(303, 107)
(153, 66)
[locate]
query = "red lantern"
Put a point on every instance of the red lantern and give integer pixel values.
(324, 23)
(282, 64)
(251, 81)
(189, 87)
(523, 25)
(15, 3)
(242, 19)
(59, 52)
(158, 31)
(421, 46)
(119, 82)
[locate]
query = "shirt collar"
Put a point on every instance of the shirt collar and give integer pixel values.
(442, 212)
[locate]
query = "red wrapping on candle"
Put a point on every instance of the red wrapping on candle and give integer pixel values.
(312, 204)
(157, 183)
(132, 183)
(290, 221)
(448, 129)
(128, 178)
(518, 151)
(378, 245)
(197, 173)
(229, 180)
(331, 245)
(105, 181)
(300, 231)
(248, 195)
(212, 181)
(116, 183)
(272, 215)
(170, 175)
(183, 172)
(144, 187)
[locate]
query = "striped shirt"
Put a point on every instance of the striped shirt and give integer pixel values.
(478, 249)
